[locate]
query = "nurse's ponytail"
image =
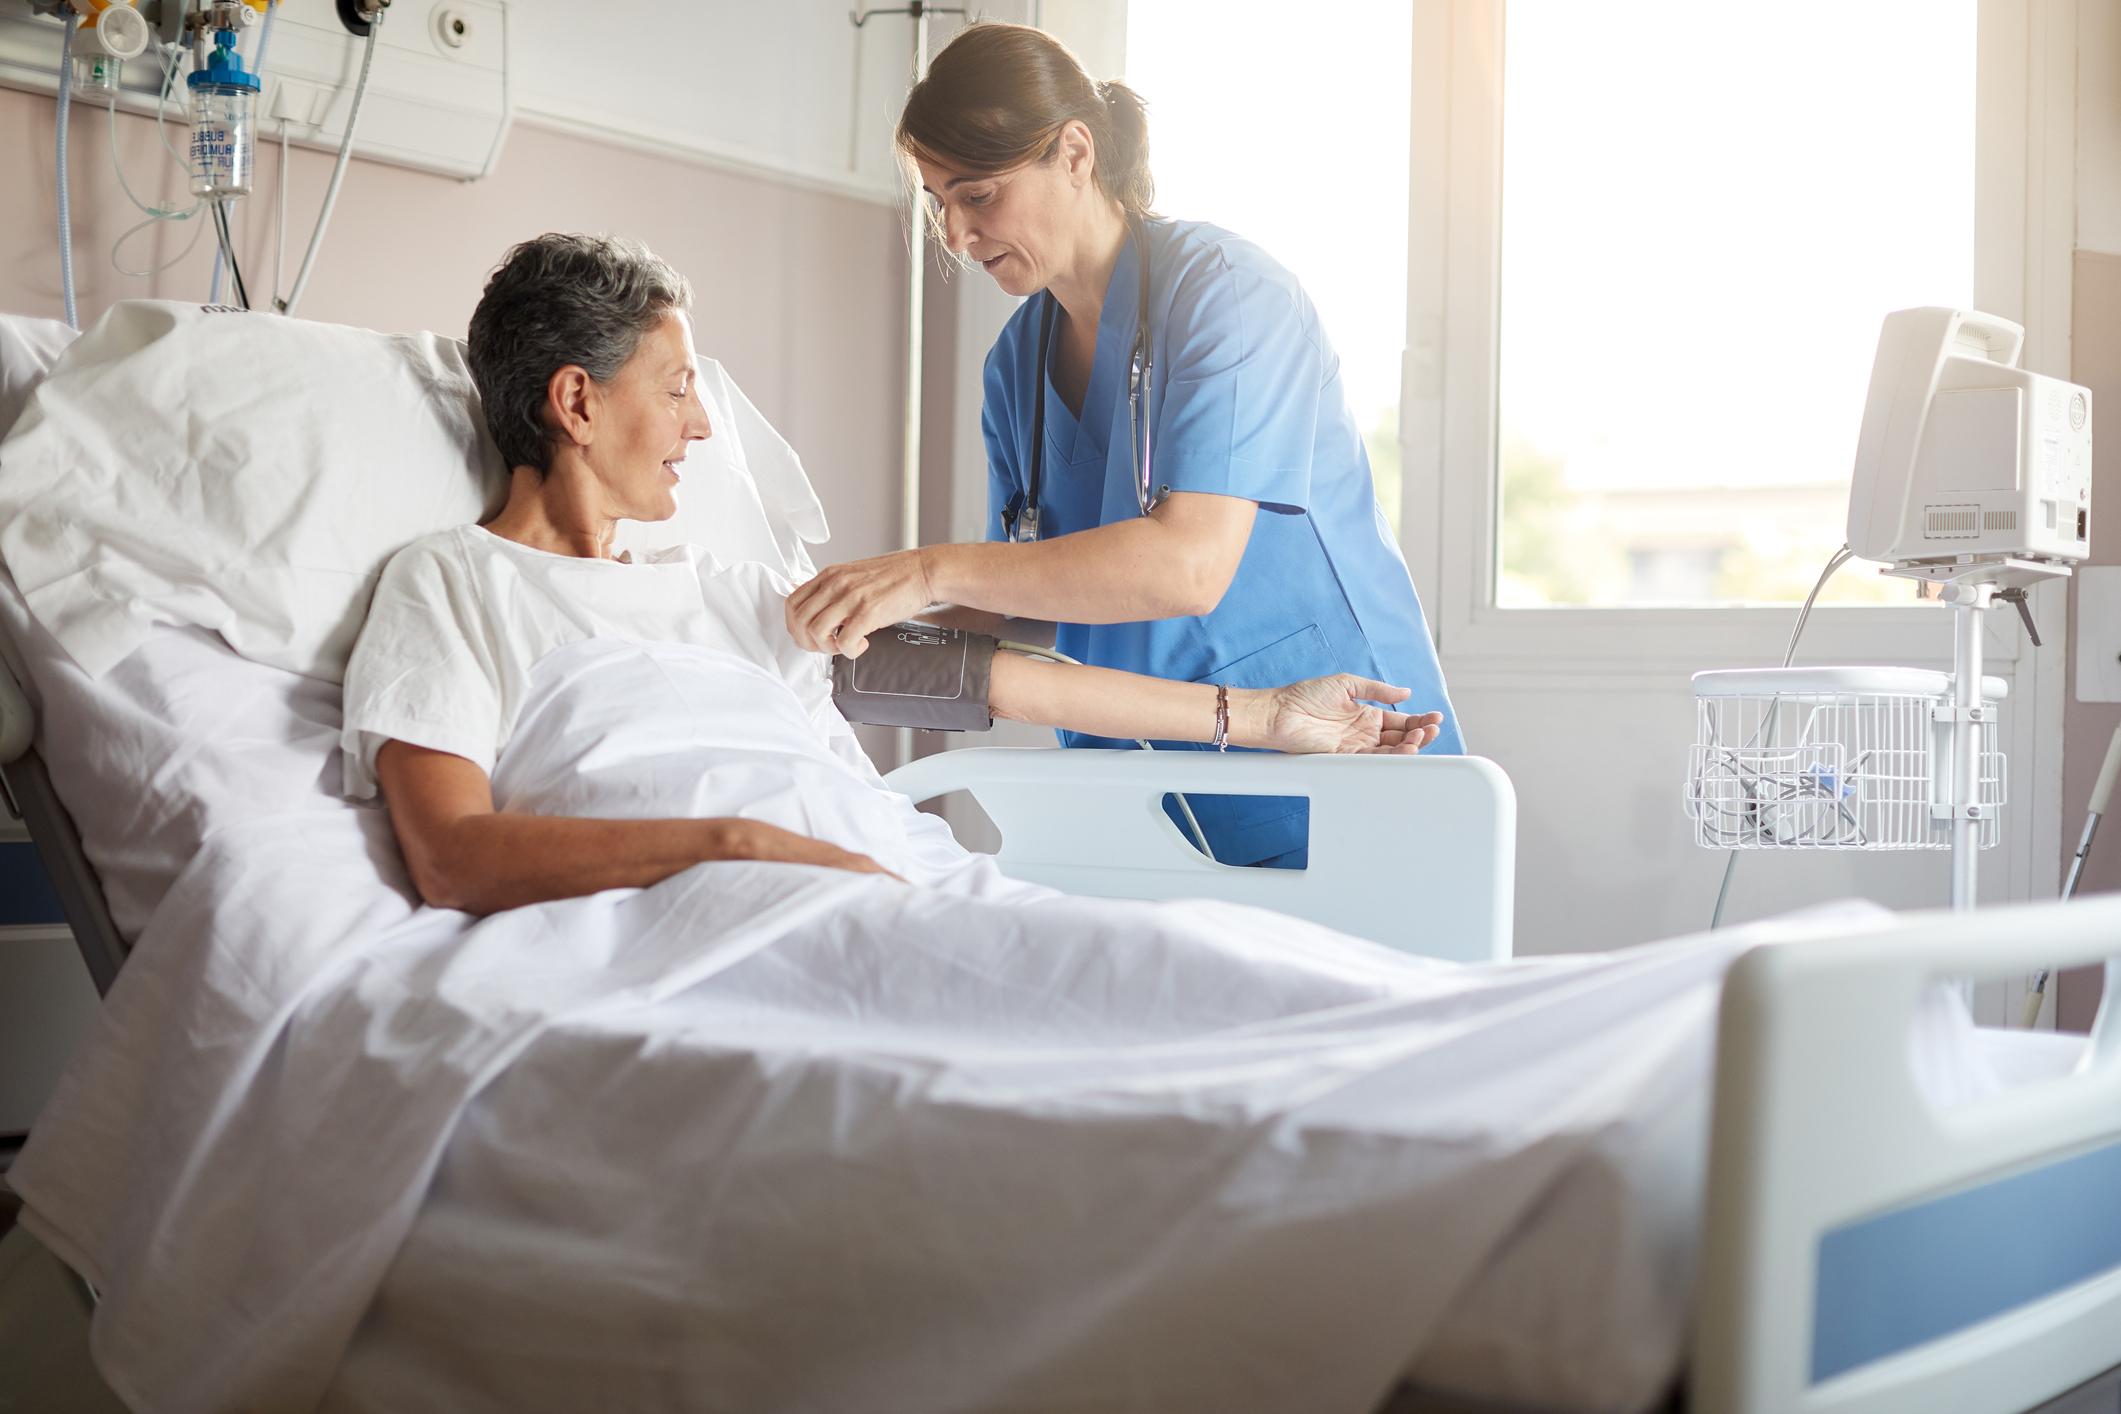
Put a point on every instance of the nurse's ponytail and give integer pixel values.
(997, 97)
(1126, 150)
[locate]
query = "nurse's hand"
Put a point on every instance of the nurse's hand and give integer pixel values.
(838, 610)
(1330, 714)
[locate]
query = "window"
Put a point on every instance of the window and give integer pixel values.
(1706, 210)
(1290, 129)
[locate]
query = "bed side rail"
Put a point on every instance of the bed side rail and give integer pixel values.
(1868, 1252)
(1415, 852)
(31, 799)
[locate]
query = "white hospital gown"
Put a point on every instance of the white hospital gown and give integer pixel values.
(460, 618)
(474, 641)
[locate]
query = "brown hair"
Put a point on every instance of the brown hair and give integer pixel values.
(997, 97)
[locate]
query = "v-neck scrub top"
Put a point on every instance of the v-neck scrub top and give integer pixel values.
(1248, 402)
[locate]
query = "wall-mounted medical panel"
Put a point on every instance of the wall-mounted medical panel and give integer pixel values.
(791, 91)
(438, 98)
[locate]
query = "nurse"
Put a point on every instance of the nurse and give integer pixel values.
(1254, 553)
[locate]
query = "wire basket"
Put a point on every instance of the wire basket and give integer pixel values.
(1833, 758)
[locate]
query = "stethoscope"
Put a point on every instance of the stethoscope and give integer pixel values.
(1020, 517)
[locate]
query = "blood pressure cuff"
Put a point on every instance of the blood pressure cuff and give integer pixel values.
(913, 675)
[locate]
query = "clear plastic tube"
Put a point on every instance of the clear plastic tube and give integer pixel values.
(338, 170)
(66, 208)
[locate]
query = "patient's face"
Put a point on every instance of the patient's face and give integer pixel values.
(650, 416)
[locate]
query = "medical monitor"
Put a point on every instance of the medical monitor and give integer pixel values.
(1965, 454)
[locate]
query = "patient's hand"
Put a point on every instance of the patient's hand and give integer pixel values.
(1327, 714)
(758, 840)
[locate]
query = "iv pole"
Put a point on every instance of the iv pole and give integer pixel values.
(916, 258)
(1972, 585)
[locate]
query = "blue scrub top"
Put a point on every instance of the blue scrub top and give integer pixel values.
(1248, 402)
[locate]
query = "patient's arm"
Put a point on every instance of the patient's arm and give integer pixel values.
(1322, 714)
(462, 853)
(1039, 633)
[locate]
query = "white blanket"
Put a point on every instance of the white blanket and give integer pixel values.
(774, 1138)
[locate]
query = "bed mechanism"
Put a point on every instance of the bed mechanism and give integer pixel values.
(31, 799)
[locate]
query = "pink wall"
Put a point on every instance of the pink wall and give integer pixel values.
(799, 293)
(2087, 727)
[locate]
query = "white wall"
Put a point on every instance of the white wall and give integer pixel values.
(2095, 360)
(797, 91)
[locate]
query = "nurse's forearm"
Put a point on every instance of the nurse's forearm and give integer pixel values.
(1104, 702)
(1175, 564)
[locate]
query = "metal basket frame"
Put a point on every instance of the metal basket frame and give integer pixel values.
(1833, 770)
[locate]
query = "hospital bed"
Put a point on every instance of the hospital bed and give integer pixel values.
(1862, 1252)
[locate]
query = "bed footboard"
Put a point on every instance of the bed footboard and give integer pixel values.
(1416, 852)
(1868, 1252)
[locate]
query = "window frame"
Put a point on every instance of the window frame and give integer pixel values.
(1449, 387)
(2025, 246)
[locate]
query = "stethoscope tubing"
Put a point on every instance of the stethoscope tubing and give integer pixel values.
(1023, 524)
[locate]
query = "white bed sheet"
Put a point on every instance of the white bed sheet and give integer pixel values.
(768, 1138)
(181, 738)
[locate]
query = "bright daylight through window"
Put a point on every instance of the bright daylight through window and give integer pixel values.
(1290, 129)
(1707, 210)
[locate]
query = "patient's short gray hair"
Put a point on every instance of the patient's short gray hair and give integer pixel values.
(554, 301)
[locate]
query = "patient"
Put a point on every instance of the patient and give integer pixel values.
(583, 355)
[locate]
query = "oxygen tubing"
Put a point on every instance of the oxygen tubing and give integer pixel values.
(338, 170)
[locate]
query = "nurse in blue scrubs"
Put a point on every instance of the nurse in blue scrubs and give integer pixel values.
(1255, 554)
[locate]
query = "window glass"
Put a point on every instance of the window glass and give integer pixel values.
(1707, 210)
(1289, 127)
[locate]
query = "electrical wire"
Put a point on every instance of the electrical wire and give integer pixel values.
(66, 209)
(1185, 807)
(1789, 655)
(338, 169)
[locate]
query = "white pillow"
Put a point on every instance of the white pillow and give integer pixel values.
(242, 473)
(28, 349)
(251, 474)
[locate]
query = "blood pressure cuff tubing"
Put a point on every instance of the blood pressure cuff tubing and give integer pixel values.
(912, 675)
